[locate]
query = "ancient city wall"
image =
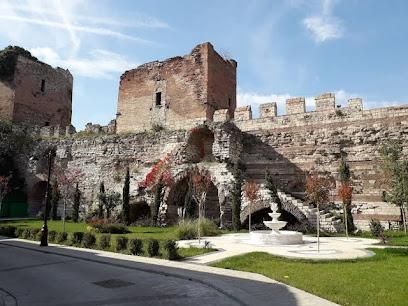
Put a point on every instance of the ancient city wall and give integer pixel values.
(6, 98)
(292, 144)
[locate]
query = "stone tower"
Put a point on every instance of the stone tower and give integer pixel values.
(32, 92)
(178, 92)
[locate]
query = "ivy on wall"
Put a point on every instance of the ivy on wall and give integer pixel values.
(8, 60)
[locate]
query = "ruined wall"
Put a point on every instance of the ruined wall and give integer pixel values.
(6, 101)
(222, 83)
(176, 93)
(292, 144)
(43, 95)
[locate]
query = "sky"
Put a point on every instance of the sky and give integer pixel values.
(284, 48)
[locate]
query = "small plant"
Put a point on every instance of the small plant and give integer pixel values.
(88, 240)
(136, 246)
(153, 247)
(377, 230)
(105, 242)
(77, 238)
(38, 236)
(170, 248)
(157, 127)
(61, 237)
(52, 235)
(121, 243)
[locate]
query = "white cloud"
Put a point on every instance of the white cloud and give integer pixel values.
(100, 63)
(323, 26)
(255, 99)
(63, 24)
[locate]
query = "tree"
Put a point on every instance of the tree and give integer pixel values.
(55, 197)
(251, 190)
(396, 176)
(101, 200)
(156, 180)
(200, 184)
(345, 192)
(125, 199)
(237, 198)
(273, 191)
(67, 179)
(318, 192)
(76, 204)
(112, 201)
(4, 188)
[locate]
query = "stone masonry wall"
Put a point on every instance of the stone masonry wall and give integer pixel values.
(42, 94)
(190, 88)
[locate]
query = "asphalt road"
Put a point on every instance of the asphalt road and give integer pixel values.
(38, 276)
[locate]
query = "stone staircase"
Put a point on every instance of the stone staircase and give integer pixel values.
(328, 222)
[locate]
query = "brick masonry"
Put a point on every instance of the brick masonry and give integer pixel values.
(37, 94)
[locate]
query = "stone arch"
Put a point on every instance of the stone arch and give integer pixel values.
(199, 145)
(291, 212)
(174, 198)
(36, 197)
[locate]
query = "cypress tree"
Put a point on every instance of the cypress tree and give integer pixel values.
(76, 204)
(101, 199)
(125, 195)
(55, 197)
(237, 198)
(345, 175)
(344, 171)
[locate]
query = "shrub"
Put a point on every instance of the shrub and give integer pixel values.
(189, 229)
(153, 247)
(377, 230)
(52, 235)
(19, 232)
(34, 233)
(121, 243)
(61, 237)
(109, 228)
(136, 246)
(170, 248)
(26, 233)
(38, 235)
(186, 230)
(105, 242)
(8, 231)
(208, 227)
(77, 237)
(88, 240)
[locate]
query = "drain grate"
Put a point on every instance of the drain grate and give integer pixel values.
(113, 283)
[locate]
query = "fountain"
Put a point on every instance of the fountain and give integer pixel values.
(275, 236)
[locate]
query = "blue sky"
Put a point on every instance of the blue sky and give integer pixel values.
(283, 48)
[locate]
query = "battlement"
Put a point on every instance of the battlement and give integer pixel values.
(326, 112)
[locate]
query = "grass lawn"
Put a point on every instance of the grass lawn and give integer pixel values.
(140, 232)
(380, 280)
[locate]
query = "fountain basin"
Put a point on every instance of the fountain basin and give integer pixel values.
(275, 238)
(275, 225)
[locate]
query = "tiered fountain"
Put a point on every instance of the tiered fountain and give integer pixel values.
(275, 236)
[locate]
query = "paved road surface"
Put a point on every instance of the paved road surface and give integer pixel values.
(30, 275)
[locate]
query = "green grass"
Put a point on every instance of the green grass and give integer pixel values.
(190, 252)
(380, 280)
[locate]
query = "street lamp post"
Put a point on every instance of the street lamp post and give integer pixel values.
(44, 229)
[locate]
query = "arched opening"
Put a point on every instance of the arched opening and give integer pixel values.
(261, 215)
(181, 203)
(139, 212)
(199, 145)
(36, 198)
